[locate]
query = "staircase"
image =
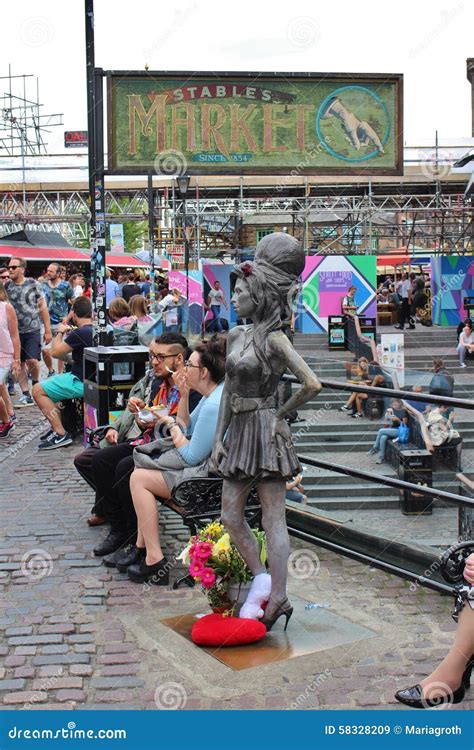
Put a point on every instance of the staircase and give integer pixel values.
(327, 433)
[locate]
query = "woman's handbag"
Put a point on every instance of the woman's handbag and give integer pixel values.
(159, 455)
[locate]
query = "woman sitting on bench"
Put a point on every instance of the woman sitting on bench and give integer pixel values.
(192, 436)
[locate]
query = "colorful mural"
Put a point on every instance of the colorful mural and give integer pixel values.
(452, 278)
(325, 280)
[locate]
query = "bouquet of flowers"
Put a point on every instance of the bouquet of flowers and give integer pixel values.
(216, 563)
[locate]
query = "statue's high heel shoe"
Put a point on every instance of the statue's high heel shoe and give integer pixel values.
(272, 613)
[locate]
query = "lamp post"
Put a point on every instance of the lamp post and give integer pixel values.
(183, 187)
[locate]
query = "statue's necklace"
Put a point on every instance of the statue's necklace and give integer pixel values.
(246, 344)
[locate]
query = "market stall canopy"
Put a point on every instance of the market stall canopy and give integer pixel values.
(48, 253)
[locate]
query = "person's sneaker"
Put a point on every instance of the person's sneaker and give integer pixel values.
(12, 418)
(6, 428)
(11, 390)
(380, 461)
(24, 400)
(357, 415)
(346, 408)
(463, 365)
(372, 452)
(45, 435)
(51, 374)
(55, 441)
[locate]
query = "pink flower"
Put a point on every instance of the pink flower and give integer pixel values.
(247, 269)
(196, 569)
(203, 550)
(208, 578)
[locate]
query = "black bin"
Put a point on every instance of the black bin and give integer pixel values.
(368, 327)
(416, 467)
(110, 372)
(337, 337)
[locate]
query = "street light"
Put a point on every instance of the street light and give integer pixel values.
(183, 187)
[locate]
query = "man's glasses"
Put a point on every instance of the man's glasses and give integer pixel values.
(13, 268)
(159, 357)
(188, 363)
(4, 278)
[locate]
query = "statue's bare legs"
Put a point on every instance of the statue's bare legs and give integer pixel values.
(272, 498)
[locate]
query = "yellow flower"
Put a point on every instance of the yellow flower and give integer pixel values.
(223, 545)
(214, 529)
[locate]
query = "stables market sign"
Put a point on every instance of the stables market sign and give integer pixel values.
(254, 123)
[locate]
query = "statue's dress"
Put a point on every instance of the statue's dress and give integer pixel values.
(251, 453)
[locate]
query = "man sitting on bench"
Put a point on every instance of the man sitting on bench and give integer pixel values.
(67, 385)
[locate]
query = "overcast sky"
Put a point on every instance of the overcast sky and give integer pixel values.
(426, 40)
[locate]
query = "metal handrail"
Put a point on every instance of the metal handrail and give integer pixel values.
(388, 481)
(336, 385)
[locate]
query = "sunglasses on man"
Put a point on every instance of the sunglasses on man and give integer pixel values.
(13, 268)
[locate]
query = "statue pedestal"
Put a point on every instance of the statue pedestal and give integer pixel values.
(309, 631)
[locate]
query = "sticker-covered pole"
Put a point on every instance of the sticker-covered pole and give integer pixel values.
(96, 181)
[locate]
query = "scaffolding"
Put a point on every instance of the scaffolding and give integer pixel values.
(325, 217)
(23, 126)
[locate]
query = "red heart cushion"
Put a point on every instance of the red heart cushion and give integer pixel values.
(217, 630)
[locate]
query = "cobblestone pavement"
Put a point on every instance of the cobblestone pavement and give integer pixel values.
(75, 635)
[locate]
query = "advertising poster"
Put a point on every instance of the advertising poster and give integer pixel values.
(325, 281)
(392, 354)
(117, 244)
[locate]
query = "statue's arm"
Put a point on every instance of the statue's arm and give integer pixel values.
(225, 412)
(310, 385)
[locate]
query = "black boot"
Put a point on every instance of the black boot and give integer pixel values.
(158, 574)
(112, 542)
(135, 555)
(110, 561)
